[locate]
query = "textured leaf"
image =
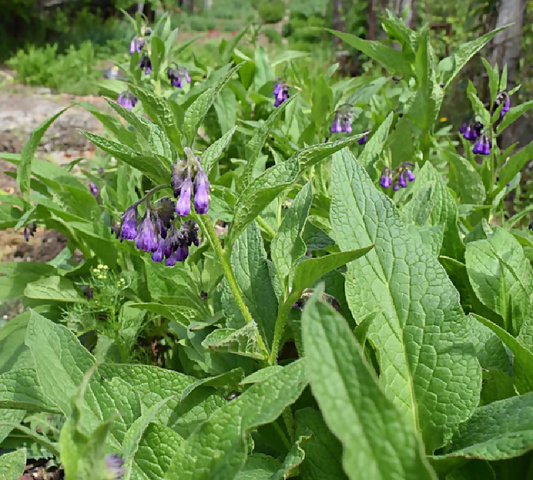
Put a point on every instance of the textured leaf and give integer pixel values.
(12, 465)
(258, 467)
(54, 288)
(217, 449)
(287, 246)
(215, 150)
(512, 115)
(512, 166)
(374, 146)
(323, 452)
(322, 102)
(248, 260)
(13, 352)
(28, 152)
(392, 59)
(465, 180)
(261, 375)
(196, 113)
(9, 418)
(496, 431)
(490, 350)
(377, 437)
(136, 122)
(431, 237)
(501, 277)
(240, 342)
(293, 459)
(416, 296)
(159, 111)
(19, 389)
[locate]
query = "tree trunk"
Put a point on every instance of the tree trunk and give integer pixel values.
(337, 6)
(401, 5)
(371, 20)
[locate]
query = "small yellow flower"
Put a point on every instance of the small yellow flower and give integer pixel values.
(444, 119)
(95, 270)
(105, 267)
(100, 266)
(100, 276)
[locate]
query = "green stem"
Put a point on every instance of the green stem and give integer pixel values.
(281, 321)
(266, 227)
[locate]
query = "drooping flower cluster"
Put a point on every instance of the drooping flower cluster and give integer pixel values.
(473, 133)
(502, 99)
(29, 230)
(176, 76)
(127, 100)
(281, 93)
(342, 122)
(157, 232)
(138, 41)
(93, 189)
(402, 175)
(188, 178)
(113, 467)
(145, 64)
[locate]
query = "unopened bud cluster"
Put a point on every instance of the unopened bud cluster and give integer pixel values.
(398, 177)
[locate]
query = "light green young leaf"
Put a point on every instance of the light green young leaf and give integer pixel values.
(322, 102)
(249, 262)
(28, 152)
(523, 358)
(12, 465)
(159, 111)
(393, 60)
(287, 246)
(55, 288)
(377, 437)
(512, 166)
(432, 237)
(497, 431)
(501, 277)
(226, 379)
(258, 467)
(9, 418)
(198, 110)
(225, 453)
(323, 451)
(215, 150)
(293, 459)
(239, 342)
(512, 115)
(416, 296)
(465, 180)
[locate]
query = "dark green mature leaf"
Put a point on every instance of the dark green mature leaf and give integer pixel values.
(136, 122)
(512, 115)
(258, 467)
(497, 431)
(198, 110)
(322, 102)
(287, 246)
(392, 59)
(443, 208)
(152, 167)
(159, 111)
(416, 296)
(293, 459)
(374, 146)
(501, 277)
(12, 465)
(513, 166)
(465, 180)
(218, 448)
(28, 152)
(464, 53)
(377, 437)
(432, 237)
(55, 288)
(249, 262)
(239, 342)
(323, 452)
(215, 150)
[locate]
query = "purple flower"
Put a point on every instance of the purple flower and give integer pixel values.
(410, 175)
(179, 172)
(347, 127)
(281, 92)
(362, 140)
(129, 224)
(401, 180)
(396, 186)
(506, 106)
(502, 98)
(93, 189)
(165, 215)
(137, 43)
(29, 230)
(175, 77)
(201, 193)
(336, 125)
(473, 131)
(386, 177)
(183, 205)
(113, 465)
(147, 236)
(462, 129)
(186, 75)
(482, 146)
(158, 255)
(127, 100)
(145, 64)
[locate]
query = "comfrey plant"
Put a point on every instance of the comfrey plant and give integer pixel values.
(296, 265)
(176, 76)
(281, 93)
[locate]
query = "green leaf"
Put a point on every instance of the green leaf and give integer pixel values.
(59, 289)
(249, 262)
(258, 467)
(465, 180)
(136, 122)
(225, 105)
(215, 150)
(415, 295)
(217, 449)
(226, 380)
(512, 115)
(322, 102)
(254, 146)
(261, 375)
(373, 148)
(9, 418)
(159, 111)
(28, 152)
(12, 465)
(501, 277)
(430, 192)
(512, 166)
(239, 342)
(323, 452)
(196, 113)
(392, 59)
(497, 431)
(523, 358)
(157, 54)
(464, 53)
(287, 246)
(292, 460)
(432, 237)
(477, 104)
(381, 439)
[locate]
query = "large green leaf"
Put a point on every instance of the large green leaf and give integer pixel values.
(28, 151)
(465, 180)
(501, 277)
(12, 465)
(218, 448)
(512, 166)
(215, 150)
(378, 438)
(422, 373)
(55, 288)
(239, 342)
